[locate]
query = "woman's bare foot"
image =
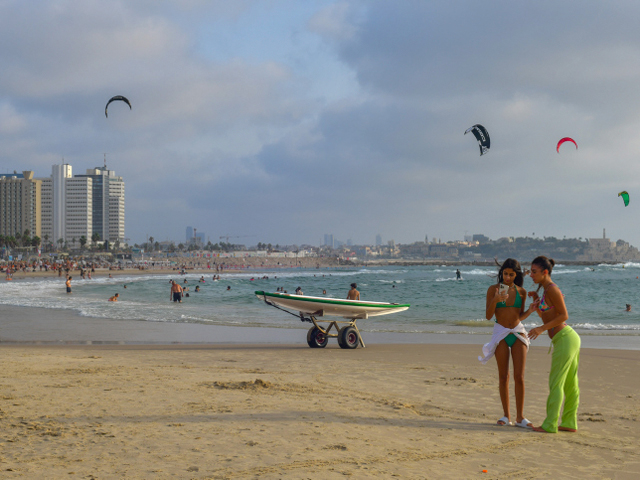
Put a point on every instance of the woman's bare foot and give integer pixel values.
(566, 429)
(539, 429)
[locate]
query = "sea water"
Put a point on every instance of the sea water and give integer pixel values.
(595, 297)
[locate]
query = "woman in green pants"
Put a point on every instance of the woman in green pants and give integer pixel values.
(563, 377)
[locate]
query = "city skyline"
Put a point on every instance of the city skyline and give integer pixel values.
(285, 120)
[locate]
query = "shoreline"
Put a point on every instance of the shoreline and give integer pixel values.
(47, 326)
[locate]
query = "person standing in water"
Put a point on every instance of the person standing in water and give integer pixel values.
(353, 293)
(563, 376)
(509, 337)
(176, 292)
(68, 284)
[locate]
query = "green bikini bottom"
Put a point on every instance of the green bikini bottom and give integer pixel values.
(511, 339)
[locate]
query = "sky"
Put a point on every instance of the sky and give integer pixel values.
(280, 121)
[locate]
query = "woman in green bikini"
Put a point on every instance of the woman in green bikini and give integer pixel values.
(563, 377)
(509, 337)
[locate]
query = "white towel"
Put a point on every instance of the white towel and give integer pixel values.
(499, 333)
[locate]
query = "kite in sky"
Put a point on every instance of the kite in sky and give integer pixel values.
(625, 197)
(481, 134)
(113, 99)
(566, 139)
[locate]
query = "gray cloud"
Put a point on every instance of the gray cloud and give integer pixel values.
(260, 146)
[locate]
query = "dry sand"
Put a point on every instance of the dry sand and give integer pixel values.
(408, 411)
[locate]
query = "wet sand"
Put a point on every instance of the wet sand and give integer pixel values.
(288, 411)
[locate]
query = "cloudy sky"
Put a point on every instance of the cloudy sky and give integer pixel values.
(280, 121)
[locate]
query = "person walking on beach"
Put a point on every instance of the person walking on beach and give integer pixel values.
(176, 292)
(506, 300)
(68, 284)
(563, 376)
(353, 293)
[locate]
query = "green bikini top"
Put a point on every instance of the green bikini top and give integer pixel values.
(517, 303)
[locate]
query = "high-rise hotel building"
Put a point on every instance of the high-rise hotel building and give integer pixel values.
(20, 204)
(81, 205)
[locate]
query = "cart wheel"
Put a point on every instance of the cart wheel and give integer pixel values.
(348, 337)
(316, 339)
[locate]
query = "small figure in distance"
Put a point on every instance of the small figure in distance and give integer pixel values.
(228, 287)
(299, 291)
(197, 288)
(324, 292)
(114, 298)
(68, 284)
(458, 274)
(628, 309)
(353, 293)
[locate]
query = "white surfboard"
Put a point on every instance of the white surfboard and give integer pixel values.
(321, 306)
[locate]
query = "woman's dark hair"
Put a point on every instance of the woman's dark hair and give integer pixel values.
(544, 263)
(514, 265)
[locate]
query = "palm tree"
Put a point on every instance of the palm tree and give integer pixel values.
(83, 241)
(95, 238)
(46, 240)
(60, 242)
(150, 244)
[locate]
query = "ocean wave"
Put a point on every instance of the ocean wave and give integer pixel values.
(478, 271)
(602, 326)
(620, 265)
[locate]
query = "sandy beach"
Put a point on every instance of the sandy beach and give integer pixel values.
(279, 411)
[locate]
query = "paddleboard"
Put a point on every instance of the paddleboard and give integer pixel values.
(321, 306)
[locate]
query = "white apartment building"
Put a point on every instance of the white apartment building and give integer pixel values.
(78, 209)
(108, 203)
(81, 205)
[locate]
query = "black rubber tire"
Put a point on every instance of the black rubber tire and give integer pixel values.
(317, 339)
(349, 337)
(340, 338)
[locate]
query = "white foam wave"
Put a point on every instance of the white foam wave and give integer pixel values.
(602, 326)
